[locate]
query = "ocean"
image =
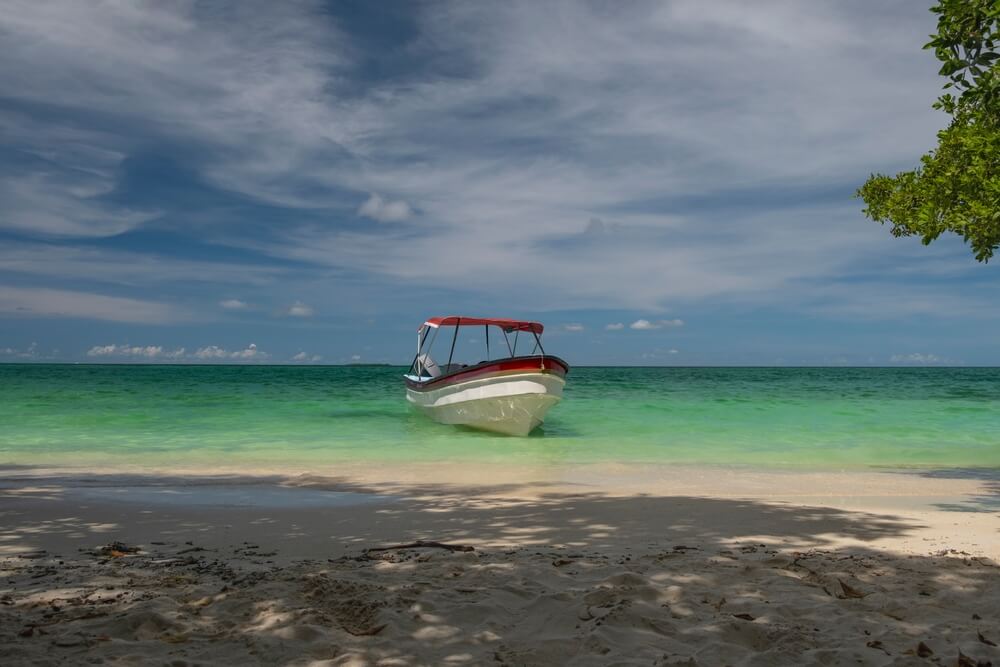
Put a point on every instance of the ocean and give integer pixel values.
(315, 417)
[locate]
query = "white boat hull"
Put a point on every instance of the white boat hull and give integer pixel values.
(510, 404)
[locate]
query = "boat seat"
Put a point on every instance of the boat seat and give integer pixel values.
(429, 366)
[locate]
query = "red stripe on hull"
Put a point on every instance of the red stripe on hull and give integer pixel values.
(535, 364)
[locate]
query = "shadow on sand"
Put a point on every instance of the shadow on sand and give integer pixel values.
(986, 501)
(555, 578)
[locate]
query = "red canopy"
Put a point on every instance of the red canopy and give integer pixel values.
(506, 325)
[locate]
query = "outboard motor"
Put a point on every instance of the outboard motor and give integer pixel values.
(428, 365)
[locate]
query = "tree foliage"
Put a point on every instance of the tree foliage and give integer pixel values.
(957, 186)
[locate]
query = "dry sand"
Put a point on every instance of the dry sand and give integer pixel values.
(668, 566)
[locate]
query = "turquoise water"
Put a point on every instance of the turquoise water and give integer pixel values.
(318, 416)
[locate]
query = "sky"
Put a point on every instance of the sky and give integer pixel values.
(659, 183)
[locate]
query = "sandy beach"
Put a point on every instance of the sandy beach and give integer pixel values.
(591, 565)
(453, 333)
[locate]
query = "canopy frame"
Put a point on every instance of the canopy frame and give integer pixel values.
(506, 327)
(505, 324)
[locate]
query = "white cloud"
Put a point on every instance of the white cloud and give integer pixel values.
(646, 325)
(30, 353)
(918, 359)
(658, 354)
(180, 354)
(138, 351)
(126, 268)
(44, 302)
(573, 327)
(249, 79)
(249, 353)
(46, 205)
(611, 78)
(61, 195)
(287, 121)
(234, 304)
(616, 326)
(379, 209)
(887, 300)
(355, 357)
(302, 356)
(211, 352)
(299, 309)
(109, 350)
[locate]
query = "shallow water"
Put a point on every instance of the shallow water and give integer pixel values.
(314, 417)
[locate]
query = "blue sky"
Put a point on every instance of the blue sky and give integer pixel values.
(659, 183)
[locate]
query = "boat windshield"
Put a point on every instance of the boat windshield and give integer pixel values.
(469, 342)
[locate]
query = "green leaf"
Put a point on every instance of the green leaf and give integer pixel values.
(956, 188)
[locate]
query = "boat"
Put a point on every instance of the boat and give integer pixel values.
(510, 394)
